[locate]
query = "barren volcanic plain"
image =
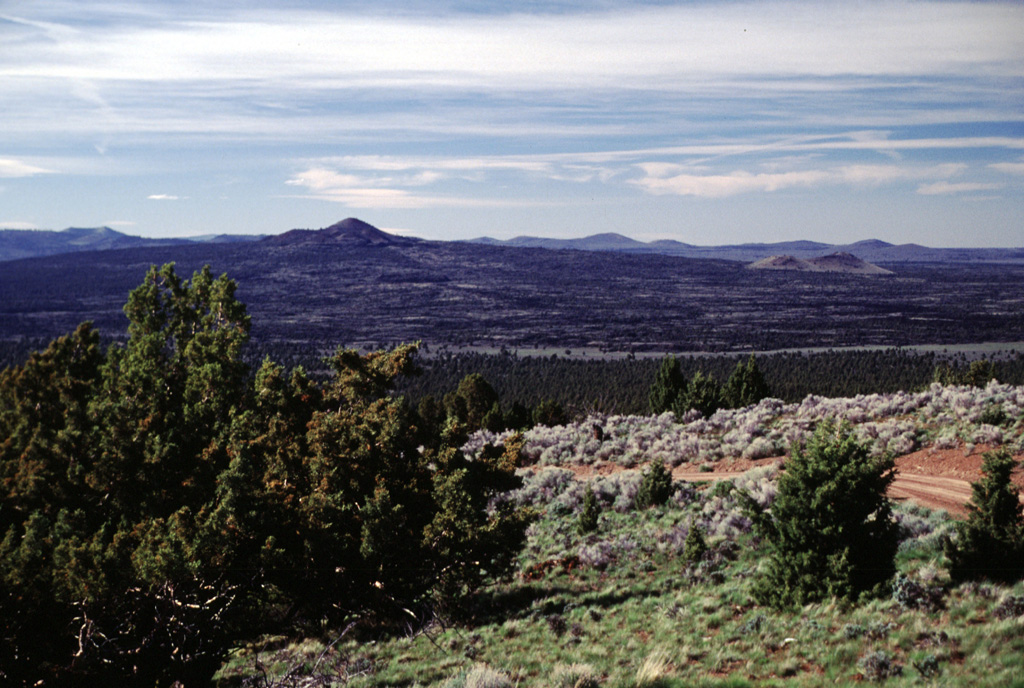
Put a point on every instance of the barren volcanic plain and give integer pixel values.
(323, 289)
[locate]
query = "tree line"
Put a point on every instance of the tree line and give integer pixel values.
(622, 385)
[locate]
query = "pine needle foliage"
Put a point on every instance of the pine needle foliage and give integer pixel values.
(669, 385)
(695, 546)
(830, 532)
(746, 385)
(590, 513)
(703, 393)
(160, 500)
(990, 543)
(655, 487)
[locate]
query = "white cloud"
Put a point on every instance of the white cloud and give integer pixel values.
(356, 191)
(720, 185)
(1008, 167)
(661, 180)
(366, 192)
(162, 197)
(382, 163)
(17, 224)
(322, 179)
(942, 188)
(15, 168)
(398, 198)
(368, 179)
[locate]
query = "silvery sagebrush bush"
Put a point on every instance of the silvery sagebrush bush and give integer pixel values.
(759, 484)
(988, 434)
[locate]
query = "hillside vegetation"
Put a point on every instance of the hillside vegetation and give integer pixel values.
(173, 515)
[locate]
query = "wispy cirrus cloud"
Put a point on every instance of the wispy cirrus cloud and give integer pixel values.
(265, 72)
(1016, 168)
(660, 178)
(946, 188)
(375, 181)
(654, 47)
(357, 191)
(10, 168)
(700, 170)
(163, 197)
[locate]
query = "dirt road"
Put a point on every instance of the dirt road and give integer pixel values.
(934, 492)
(935, 478)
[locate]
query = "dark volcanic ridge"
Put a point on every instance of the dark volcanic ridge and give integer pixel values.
(349, 231)
(836, 262)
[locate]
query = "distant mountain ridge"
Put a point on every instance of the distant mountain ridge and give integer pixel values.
(29, 243)
(871, 250)
(15, 244)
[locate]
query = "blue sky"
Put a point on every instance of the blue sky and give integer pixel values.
(705, 122)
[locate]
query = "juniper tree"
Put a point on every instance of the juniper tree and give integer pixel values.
(160, 502)
(669, 385)
(990, 543)
(146, 435)
(655, 486)
(695, 545)
(745, 385)
(830, 531)
(703, 393)
(590, 513)
(550, 413)
(466, 542)
(472, 401)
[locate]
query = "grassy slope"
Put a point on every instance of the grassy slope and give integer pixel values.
(631, 609)
(623, 605)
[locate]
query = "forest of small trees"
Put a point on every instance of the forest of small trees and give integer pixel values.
(622, 385)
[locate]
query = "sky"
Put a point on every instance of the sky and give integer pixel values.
(706, 122)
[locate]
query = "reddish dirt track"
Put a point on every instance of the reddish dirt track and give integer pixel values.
(935, 478)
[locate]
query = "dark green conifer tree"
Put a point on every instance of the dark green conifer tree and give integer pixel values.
(830, 532)
(550, 413)
(990, 543)
(471, 402)
(590, 513)
(161, 502)
(668, 387)
(745, 385)
(695, 545)
(465, 543)
(655, 487)
(703, 393)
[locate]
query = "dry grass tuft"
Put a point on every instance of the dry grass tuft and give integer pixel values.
(654, 670)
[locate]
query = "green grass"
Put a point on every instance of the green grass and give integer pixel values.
(643, 620)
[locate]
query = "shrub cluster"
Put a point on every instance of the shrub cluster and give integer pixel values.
(160, 499)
